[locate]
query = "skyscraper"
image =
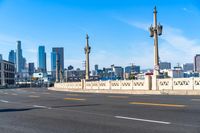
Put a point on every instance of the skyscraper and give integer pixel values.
(60, 53)
(1, 57)
(24, 63)
(197, 63)
(41, 59)
(19, 58)
(12, 56)
(31, 68)
(53, 61)
(57, 53)
(96, 67)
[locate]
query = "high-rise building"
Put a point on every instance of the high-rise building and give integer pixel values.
(31, 68)
(188, 67)
(12, 56)
(197, 63)
(58, 51)
(24, 63)
(1, 57)
(165, 65)
(19, 57)
(41, 59)
(96, 67)
(53, 61)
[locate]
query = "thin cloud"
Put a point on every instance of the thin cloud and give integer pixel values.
(174, 45)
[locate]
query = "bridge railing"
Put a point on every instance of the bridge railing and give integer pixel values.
(146, 84)
(107, 85)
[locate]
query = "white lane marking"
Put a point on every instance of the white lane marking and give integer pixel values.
(33, 96)
(4, 101)
(195, 100)
(144, 120)
(46, 93)
(14, 94)
(40, 106)
(5, 93)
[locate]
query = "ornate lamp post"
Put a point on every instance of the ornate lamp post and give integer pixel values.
(87, 64)
(155, 31)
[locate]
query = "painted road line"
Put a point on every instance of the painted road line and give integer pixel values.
(47, 93)
(118, 96)
(72, 94)
(6, 93)
(74, 99)
(33, 96)
(158, 104)
(40, 106)
(143, 120)
(195, 100)
(14, 94)
(4, 101)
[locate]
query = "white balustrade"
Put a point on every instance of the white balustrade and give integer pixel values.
(126, 84)
(139, 85)
(165, 84)
(162, 84)
(196, 83)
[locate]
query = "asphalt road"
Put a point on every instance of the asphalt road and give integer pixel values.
(38, 110)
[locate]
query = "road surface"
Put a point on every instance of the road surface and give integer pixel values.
(38, 110)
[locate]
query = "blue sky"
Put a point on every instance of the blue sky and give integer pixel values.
(118, 30)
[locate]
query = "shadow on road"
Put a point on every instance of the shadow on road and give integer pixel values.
(15, 110)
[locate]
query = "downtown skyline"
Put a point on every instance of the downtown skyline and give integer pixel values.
(122, 35)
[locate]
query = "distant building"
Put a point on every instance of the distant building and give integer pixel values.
(31, 68)
(12, 56)
(1, 57)
(190, 74)
(132, 69)
(74, 75)
(70, 67)
(131, 72)
(7, 73)
(175, 73)
(188, 67)
(112, 73)
(19, 58)
(197, 63)
(41, 59)
(24, 67)
(57, 51)
(118, 72)
(53, 64)
(96, 67)
(165, 65)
